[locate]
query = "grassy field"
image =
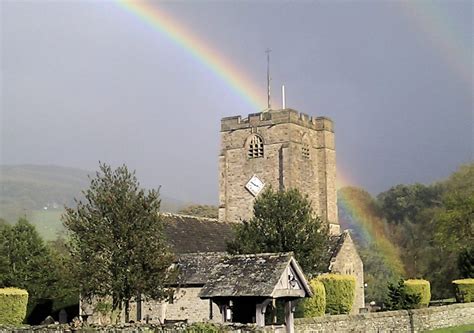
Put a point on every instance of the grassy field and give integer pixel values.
(456, 329)
(47, 222)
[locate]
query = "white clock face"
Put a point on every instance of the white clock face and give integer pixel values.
(254, 185)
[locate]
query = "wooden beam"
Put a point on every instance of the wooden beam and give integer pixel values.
(289, 323)
(260, 309)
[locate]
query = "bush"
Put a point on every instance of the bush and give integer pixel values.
(340, 292)
(419, 287)
(399, 299)
(13, 303)
(464, 290)
(314, 306)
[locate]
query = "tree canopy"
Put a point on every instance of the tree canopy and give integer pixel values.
(117, 240)
(284, 221)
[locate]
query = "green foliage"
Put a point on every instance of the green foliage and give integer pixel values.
(340, 292)
(464, 290)
(454, 329)
(403, 203)
(359, 212)
(13, 303)
(27, 262)
(421, 288)
(399, 299)
(103, 307)
(434, 228)
(466, 263)
(284, 221)
(204, 328)
(200, 211)
(66, 287)
(315, 306)
(117, 240)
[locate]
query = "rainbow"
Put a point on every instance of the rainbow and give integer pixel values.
(358, 212)
(158, 20)
(429, 18)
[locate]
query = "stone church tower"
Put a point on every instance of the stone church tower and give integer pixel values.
(280, 148)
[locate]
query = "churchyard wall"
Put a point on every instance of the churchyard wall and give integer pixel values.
(419, 320)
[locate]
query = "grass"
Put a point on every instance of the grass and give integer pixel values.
(454, 329)
(47, 222)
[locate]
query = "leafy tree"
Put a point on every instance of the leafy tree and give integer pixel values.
(117, 241)
(399, 299)
(402, 203)
(66, 289)
(200, 211)
(26, 262)
(284, 221)
(466, 263)
(359, 212)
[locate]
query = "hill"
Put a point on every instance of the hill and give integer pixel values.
(40, 193)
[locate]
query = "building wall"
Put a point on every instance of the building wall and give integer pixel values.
(186, 305)
(391, 321)
(287, 135)
(347, 261)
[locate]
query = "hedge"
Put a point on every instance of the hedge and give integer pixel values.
(464, 290)
(13, 303)
(420, 287)
(315, 306)
(340, 292)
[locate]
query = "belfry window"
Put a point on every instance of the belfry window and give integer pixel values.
(255, 149)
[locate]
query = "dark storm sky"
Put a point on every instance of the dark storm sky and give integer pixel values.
(84, 81)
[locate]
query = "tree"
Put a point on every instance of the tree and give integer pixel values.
(26, 262)
(400, 299)
(117, 241)
(200, 211)
(284, 221)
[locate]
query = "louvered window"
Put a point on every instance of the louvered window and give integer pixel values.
(255, 149)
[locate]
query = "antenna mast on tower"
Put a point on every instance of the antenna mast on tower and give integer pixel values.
(267, 51)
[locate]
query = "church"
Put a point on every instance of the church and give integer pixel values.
(279, 148)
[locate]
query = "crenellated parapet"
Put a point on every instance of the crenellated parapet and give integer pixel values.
(274, 117)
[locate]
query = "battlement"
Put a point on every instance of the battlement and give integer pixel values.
(274, 117)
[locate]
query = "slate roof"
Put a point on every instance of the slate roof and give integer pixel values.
(335, 245)
(253, 275)
(195, 268)
(188, 234)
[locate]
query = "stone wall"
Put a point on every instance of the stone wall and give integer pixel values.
(299, 153)
(391, 321)
(186, 305)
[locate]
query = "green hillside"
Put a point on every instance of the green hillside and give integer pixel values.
(40, 193)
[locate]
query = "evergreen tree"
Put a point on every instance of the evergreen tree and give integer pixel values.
(117, 241)
(284, 221)
(399, 299)
(26, 262)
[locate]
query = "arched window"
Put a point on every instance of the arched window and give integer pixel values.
(255, 147)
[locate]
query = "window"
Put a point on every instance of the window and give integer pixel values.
(255, 149)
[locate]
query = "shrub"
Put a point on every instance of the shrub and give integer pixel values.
(419, 287)
(340, 292)
(13, 303)
(315, 305)
(464, 290)
(399, 299)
